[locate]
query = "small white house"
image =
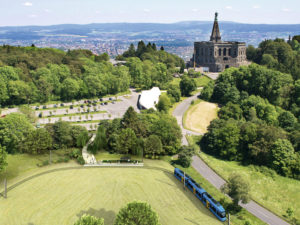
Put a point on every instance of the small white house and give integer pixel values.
(148, 99)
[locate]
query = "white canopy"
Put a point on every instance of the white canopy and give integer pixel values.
(149, 98)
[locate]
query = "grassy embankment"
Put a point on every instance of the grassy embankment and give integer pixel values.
(272, 191)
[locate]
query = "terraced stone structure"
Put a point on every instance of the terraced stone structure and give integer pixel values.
(216, 54)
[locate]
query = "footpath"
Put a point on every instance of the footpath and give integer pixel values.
(90, 159)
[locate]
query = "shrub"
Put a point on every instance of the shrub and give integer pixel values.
(80, 160)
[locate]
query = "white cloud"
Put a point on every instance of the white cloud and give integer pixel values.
(27, 4)
(146, 10)
(256, 7)
(286, 10)
(32, 16)
(97, 12)
(47, 10)
(195, 10)
(228, 7)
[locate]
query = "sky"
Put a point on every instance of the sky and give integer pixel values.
(49, 12)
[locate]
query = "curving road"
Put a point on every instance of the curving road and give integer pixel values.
(178, 114)
(199, 165)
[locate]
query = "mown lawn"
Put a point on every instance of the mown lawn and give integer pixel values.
(20, 164)
(199, 115)
(62, 197)
(200, 81)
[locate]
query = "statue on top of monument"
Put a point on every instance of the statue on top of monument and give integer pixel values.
(216, 16)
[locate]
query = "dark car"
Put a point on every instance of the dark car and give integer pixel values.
(110, 99)
(37, 108)
(71, 106)
(105, 103)
(101, 99)
(44, 107)
(88, 101)
(62, 104)
(82, 106)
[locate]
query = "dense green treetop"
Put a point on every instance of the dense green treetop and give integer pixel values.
(89, 220)
(237, 188)
(137, 213)
(14, 128)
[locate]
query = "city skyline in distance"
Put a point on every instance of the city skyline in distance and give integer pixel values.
(42, 12)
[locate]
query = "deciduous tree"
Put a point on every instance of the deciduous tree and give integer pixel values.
(137, 213)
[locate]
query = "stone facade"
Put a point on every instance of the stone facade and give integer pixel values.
(216, 54)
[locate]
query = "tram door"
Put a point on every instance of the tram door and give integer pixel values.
(207, 204)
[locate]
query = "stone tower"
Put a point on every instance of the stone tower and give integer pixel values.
(216, 55)
(215, 34)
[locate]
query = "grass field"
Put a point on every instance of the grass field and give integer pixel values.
(200, 81)
(20, 164)
(274, 192)
(63, 196)
(199, 115)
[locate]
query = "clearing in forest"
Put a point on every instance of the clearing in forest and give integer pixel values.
(199, 116)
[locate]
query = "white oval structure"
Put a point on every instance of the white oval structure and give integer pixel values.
(148, 99)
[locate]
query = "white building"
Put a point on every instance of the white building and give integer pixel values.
(148, 99)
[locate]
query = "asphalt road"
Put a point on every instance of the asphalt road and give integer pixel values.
(205, 171)
(178, 114)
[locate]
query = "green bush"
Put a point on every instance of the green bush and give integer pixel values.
(45, 163)
(80, 160)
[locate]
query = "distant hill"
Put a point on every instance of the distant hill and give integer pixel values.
(90, 30)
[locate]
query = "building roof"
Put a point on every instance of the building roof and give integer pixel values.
(215, 34)
(149, 98)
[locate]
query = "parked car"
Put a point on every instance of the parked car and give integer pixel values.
(55, 106)
(62, 104)
(82, 106)
(71, 106)
(105, 103)
(110, 99)
(95, 101)
(113, 102)
(44, 107)
(37, 108)
(101, 99)
(102, 103)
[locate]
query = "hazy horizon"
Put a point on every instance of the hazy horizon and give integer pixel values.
(56, 12)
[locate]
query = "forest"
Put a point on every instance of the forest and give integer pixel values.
(37, 75)
(150, 133)
(259, 119)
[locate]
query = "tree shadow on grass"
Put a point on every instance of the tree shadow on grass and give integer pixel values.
(108, 216)
(191, 221)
